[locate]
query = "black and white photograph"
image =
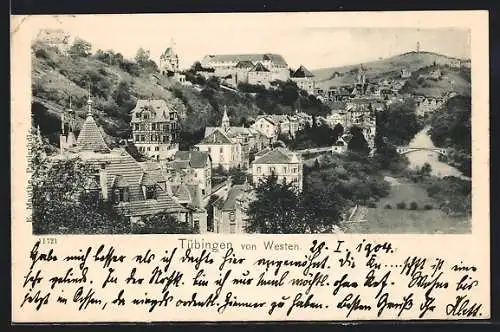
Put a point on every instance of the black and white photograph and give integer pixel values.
(161, 126)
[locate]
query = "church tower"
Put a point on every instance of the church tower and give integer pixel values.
(418, 46)
(225, 120)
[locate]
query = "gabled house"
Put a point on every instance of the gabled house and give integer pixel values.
(284, 164)
(155, 126)
(304, 79)
(230, 210)
(267, 129)
(223, 151)
(195, 167)
(246, 137)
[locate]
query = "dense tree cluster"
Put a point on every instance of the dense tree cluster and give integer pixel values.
(450, 127)
(358, 143)
(331, 188)
(313, 136)
(399, 123)
(284, 98)
(64, 201)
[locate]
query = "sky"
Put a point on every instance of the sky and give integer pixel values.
(315, 40)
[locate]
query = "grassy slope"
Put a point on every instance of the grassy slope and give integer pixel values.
(378, 69)
(56, 77)
(383, 220)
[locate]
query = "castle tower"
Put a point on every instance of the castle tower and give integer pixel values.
(169, 60)
(225, 120)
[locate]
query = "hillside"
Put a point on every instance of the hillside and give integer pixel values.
(451, 80)
(117, 83)
(385, 68)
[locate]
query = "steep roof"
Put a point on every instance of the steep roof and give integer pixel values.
(119, 163)
(259, 67)
(182, 193)
(277, 59)
(244, 64)
(277, 156)
(232, 131)
(216, 137)
(302, 72)
(195, 159)
(90, 137)
(267, 118)
(159, 108)
(169, 52)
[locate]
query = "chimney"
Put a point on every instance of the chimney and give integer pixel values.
(103, 181)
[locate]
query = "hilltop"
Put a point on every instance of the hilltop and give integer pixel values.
(380, 69)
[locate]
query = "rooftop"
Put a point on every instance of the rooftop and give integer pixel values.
(277, 156)
(260, 68)
(195, 159)
(277, 59)
(302, 72)
(91, 137)
(216, 137)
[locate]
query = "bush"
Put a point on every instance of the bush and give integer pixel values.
(413, 206)
(372, 205)
(401, 205)
(388, 206)
(428, 207)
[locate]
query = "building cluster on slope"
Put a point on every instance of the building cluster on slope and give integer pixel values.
(136, 189)
(178, 182)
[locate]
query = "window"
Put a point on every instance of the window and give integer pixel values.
(120, 195)
(150, 192)
(153, 126)
(136, 126)
(285, 170)
(203, 192)
(272, 169)
(231, 216)
(232, 228)
(149, 148)
(172, 116)
(209, 150)
(221, 150)
(157, 148)
(258, 170)
(294, 170)
(197, 224)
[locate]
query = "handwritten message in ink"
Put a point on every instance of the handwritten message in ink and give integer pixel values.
(194, 279)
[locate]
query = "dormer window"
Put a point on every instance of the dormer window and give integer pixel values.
(150, 192)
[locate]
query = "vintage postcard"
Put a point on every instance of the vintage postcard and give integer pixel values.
(250, 167)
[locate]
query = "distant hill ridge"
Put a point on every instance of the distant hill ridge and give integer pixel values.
(383, 68)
